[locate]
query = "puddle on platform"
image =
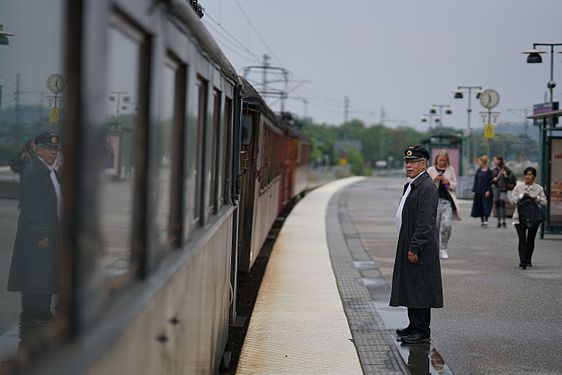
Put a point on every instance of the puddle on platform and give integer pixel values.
(419, 358)
(423, 359)
(364, 265)
(371, 282)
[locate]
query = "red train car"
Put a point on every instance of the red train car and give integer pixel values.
(275, 162)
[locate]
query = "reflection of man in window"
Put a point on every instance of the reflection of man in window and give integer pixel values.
(33, 267)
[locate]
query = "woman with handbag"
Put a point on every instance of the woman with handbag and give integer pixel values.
(445, 179)
(527, 231)
(503, 180)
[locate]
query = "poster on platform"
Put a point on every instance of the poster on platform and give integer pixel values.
(556, 182)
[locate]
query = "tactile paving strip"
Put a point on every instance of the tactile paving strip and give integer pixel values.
(375, 347)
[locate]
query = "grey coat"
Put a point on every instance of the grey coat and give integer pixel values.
(33, 270)
(418, 285)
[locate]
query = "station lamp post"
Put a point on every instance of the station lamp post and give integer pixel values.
(448, 111)
(459, 95)
(535, 58)
(428, 117)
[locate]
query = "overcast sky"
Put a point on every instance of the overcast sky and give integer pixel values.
(400, 55)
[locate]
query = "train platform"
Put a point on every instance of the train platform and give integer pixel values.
(323, 303)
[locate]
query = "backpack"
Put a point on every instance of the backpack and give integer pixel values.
(530, 213)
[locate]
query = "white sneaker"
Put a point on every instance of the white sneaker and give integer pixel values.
(444, 254)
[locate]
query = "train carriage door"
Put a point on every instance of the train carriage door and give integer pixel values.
(248, 156)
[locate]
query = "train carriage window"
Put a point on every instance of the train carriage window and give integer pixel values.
(32, 107)
(200, 137)
(214, 152)
(170, 155)
(121, 134)
(226, 151)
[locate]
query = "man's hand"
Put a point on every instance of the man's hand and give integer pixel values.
(412, 257)
(44, 243)
(487, 194)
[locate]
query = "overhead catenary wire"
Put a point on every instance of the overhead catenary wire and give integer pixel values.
(309, 89)
(262, 39)
(225, 43)
(230, 36)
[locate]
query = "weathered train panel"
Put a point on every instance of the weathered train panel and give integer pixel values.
(179, 331)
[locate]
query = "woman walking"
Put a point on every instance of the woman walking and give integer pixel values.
(482, 189)
(527, 234)
(445, 179)
(503, 180)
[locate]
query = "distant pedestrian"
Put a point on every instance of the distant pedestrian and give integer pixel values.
(416, 279)
(445, 178)
(33, 266)
(527, 233)
(23, 157)
(482, 189)
(503, 180)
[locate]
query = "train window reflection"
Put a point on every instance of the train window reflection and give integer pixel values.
(32, 93)
(168, 205)
(120, 132)
(214, 151)
(200, 137)
(226, 167)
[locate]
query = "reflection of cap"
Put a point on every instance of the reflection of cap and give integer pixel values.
(416, 152)
(49, 140)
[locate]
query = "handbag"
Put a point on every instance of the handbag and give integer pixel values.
(530, 213)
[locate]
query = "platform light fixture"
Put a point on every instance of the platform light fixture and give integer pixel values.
(534, 55)
(535, 58)
(4, 40)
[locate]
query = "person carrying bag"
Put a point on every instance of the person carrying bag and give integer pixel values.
(528, 215)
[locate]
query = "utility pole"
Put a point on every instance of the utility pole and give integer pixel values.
(17, 99)
(383, 114)
(345, 109)
(267, 88)
(264, 73)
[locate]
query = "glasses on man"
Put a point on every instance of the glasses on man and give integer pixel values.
(413, 161)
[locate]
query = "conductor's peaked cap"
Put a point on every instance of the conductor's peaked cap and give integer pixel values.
(416, 152)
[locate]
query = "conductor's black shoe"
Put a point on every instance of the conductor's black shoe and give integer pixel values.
(416, 338)
(404, 331)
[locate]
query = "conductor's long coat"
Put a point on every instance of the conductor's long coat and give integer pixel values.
(418, 285)
(33, 270)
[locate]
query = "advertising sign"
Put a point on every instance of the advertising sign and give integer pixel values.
(488, 131)
(556, 182)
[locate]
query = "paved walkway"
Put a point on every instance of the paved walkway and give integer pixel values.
(497, 318)
(315, 318)
(298, 325)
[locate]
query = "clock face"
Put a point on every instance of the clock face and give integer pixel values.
(56, 83)
(489, 98)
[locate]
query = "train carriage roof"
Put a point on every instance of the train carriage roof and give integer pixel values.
(252, 98)
(284, 121)
(190, 23)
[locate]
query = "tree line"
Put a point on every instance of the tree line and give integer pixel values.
(362, 146)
